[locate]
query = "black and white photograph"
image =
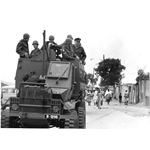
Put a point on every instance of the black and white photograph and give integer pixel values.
(75, 64)
(75, 74)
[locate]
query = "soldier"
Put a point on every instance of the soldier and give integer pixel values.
(79, 50)
(22, 47)
(36, 50)
(51, 41)
(69, 37)
(67, 50)
(52, 47)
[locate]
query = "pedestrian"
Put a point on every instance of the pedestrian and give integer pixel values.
(108, 96)
(120, 98)
(88, 97)
(100, 99)
(36, 51)
(22, 47)
(95, 97)
(126, 97)
(79, 50)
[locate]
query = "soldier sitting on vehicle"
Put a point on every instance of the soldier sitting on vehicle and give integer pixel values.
(70, 37)
(79, 50)
(22, 47)
(36, 50)
(67, 50)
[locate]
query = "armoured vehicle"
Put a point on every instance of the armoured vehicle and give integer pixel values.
(50, 94)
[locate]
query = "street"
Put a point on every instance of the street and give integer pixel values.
(117, 116)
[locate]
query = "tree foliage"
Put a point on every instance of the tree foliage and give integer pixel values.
(110, 71)
(142, 75)
(91, 77)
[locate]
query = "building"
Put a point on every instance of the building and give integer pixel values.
(131, 88)
(143, 89)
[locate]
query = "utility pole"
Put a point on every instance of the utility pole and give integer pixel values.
(103, 56)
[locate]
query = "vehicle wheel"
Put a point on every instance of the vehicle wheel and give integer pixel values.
(82, 117)
(4, 121)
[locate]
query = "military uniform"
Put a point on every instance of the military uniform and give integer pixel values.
(22, 48)
(67, 50)
(79, 51)
(53, 50)
(35, 52)
(53, 47)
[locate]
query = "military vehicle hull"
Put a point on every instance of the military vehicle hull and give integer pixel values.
(57, 100)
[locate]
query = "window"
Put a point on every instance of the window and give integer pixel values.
(59, 70)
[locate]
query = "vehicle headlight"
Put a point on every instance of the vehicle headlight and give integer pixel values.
(15, 107)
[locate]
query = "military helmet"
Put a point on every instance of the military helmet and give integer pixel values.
(26, 36)
(70, 37)
(35, 43)
(51, 37)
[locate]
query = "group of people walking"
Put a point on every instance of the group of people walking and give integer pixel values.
(65, 51)
(98, 97)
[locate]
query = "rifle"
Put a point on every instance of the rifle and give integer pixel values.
(44, 44)
(43, 49)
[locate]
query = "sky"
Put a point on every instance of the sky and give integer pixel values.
(114, 28)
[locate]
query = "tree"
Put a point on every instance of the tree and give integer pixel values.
(142, 75)
(110, 71)
(91, 78)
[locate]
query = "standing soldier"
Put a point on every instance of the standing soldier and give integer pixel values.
(53, 48)
(22, 47)
(51, 41)
(79, 50)
(36, 50)
(67, 50)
